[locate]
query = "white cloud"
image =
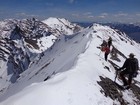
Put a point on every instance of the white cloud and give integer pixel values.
(121, 14)
(91, 16)
(22, 14)
(103, 15)
(138, 14)
(87, 13)
(75, 15)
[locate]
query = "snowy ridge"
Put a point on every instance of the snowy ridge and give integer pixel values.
(74, 71)
(22, 42)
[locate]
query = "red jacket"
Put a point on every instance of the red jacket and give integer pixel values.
(107, 50)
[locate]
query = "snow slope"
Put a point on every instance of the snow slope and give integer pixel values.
(72, 69)
(23, 42)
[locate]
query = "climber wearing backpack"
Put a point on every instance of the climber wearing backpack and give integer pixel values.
(104, 48)
(107, 51)
(109, 42)
(130, 68)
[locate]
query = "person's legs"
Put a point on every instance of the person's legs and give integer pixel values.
(122, 75)
(130, 79)
(106, 56)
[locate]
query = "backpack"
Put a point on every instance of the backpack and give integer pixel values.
(134, 66)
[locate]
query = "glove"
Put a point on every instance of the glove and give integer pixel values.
(135, 74)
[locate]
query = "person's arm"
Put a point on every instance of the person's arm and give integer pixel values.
(124, 65)
(137, 64)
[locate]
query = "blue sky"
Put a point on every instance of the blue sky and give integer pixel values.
(73, 10)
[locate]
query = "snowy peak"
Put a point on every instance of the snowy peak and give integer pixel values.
(24, 41)
(34, 34)
(20, 43)
(73, 68)
(63, 25)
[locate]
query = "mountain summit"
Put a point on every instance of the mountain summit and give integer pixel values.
(72, 71)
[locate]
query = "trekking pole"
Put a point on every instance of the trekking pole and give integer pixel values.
(116, 75)
(116, 68)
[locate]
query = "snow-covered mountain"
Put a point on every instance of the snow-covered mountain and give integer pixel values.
(62, 25)
(23, 42)
(73, 70)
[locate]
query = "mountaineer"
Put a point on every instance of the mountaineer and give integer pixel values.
(130, 68)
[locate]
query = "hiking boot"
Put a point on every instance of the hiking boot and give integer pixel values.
(126, 87)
